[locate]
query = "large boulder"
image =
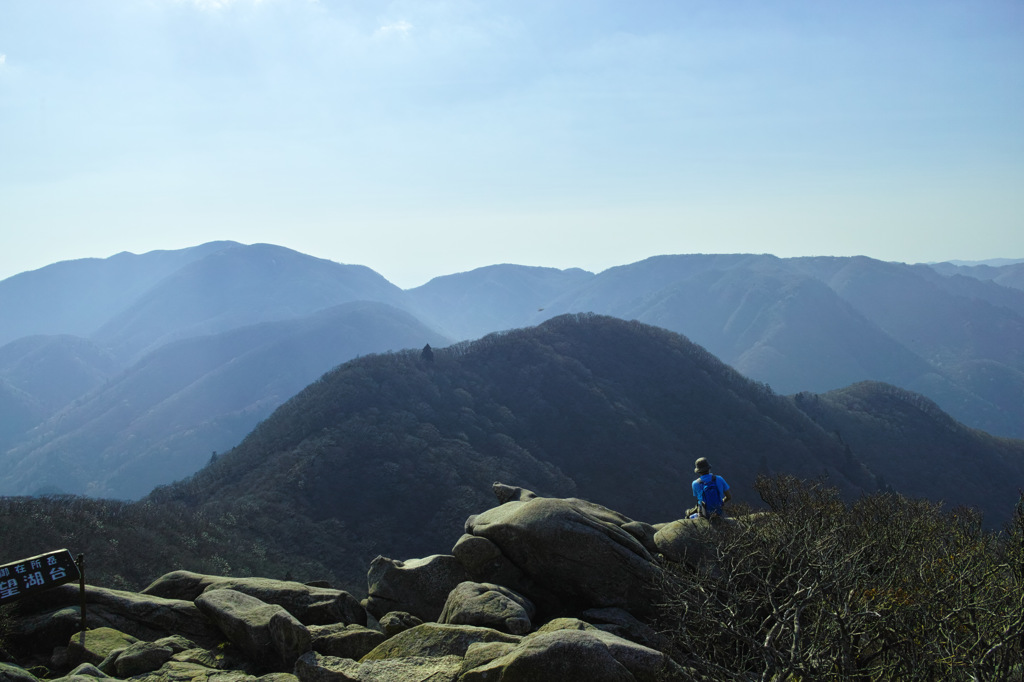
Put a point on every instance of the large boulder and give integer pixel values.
(86, 670)
(485, 563)
(93, 646)
(314, 667)
(219, 658)
(394, 622)
(142, 657)
(344, 641)
(176, 671)
(622, 623)
(575, 549)
(573, 653)
(417, 586)
(146, 617)
(13, 673)
(692, 541)
(37, 634)
(488, 605)
(435, 639)
(312, 605)
(269, 635)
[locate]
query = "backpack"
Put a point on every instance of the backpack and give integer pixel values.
(710, 498)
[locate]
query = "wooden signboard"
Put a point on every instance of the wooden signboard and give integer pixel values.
(36, 574)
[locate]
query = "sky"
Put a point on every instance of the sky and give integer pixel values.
(424, 138)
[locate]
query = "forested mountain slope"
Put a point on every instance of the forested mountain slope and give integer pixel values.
(386, 453)
(589, 406)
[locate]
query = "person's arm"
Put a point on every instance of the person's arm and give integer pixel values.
(726, 497)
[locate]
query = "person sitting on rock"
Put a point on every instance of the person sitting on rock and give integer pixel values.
(711, 491)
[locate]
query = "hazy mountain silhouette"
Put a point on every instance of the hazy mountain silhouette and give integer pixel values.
(78, 296)
(942, 319)
(85, 321)
(20, 413)
(771, 324)
(1007, 272)
(55, 370)
(469, 305)
(161, 419)
(238, 286)
(41, 374)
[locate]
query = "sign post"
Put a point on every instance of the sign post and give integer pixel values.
(80, 563)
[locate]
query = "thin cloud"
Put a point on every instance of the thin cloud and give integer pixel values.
(213, 5)
(3, 60)
(399, 28)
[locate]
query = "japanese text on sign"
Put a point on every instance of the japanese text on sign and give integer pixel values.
(36, 574)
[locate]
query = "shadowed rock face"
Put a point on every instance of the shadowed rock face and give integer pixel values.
(572, 548)
(417, 586)
(488, 605)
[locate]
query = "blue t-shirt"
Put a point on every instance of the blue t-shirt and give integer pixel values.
(698, 490)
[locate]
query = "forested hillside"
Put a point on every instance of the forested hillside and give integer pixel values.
(386, 453)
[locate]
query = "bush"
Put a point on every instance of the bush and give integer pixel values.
(886, 588)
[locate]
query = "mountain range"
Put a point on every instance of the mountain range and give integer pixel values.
(120, 374)
(386, 453)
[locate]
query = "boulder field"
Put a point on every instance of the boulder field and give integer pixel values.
(536, 588)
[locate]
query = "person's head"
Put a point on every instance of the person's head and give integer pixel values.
(701, 466)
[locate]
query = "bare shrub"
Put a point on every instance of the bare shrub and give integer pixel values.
(886, 588)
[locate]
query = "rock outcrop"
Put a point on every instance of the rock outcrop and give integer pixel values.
(267, 633)
(574, 549)
(311, 605)
(535, 588)
(488, 605)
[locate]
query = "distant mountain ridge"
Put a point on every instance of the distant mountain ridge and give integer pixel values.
(169, 412)
(78, 296)
(236, 287)
(82, 366)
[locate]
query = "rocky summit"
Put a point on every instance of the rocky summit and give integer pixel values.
(535, 588)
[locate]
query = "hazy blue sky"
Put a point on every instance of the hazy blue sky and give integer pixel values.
(424, 138)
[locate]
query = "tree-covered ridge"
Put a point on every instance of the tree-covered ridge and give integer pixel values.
(883, 425)
(386, 453)
(582, 405)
